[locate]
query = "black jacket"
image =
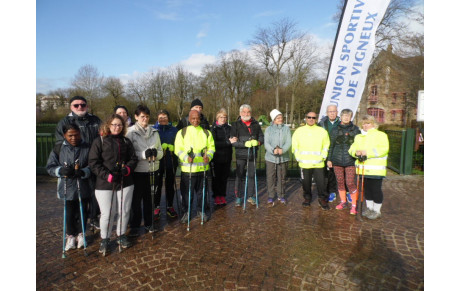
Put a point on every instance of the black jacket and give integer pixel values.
(105, 153)
(66, 153)
(241, 131)
(184, 122)
(221, 134)
(342, 138)
(89, 126)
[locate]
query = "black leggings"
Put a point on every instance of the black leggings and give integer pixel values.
(73, 222)
(373, 190)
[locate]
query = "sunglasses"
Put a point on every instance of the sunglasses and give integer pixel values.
(77, 105)
(311, 117)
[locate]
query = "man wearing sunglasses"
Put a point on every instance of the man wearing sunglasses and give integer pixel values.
(89, 130)
(310, 146)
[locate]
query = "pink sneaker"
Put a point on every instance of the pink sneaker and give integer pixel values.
(341, 206)
(223, 201)
(217, 200)
(353, 210)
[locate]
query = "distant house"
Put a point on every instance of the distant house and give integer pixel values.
(392, 88)
(47, 102)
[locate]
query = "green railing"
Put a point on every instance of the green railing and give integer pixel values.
(45, 143)
(401, 151)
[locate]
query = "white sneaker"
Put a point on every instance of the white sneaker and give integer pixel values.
(80, 241)
(70, 242)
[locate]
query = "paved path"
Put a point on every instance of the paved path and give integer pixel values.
(280, 248)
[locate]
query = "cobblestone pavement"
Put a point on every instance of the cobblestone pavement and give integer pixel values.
(280, 248)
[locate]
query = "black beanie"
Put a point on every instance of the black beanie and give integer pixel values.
(121, 106)
(77, 98)
(196, 102)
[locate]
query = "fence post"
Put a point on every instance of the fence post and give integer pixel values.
(408, 151)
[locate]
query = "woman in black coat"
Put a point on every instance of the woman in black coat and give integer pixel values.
(112, 159)
(342, 138)
(221, 162)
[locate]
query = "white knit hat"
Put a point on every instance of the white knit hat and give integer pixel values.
(274, 113)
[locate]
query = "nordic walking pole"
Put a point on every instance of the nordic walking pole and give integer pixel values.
(179, 206)
(360, 191)
(191, 155)
(255, 176)
(110, 212)
(121, 206)
(65, 213)
(77, 166)
(246, 184)
(204, 186)
(152, 189)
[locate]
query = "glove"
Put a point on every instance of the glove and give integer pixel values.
(362, 158)
(125, 171)
(254, 142)
(164, 146)
(116, 169)
(79, 173)
(190, 153)
(66, 172)
(154, 152)
(248, 144)
(148, 153)
(171, 147)
(116, 177)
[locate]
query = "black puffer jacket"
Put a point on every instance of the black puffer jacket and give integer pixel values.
(105, 153)
(241, 131)
(342, 138)
(221, 134)
(88, 124)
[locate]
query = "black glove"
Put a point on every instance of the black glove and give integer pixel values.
(116, 177)
(362, 158)
(149, 153)
(191, 154)
(79, 173)
(116, 169)
(66, 172)
(154, 152)
(124, 171)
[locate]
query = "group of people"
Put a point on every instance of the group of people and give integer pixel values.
(117, 167)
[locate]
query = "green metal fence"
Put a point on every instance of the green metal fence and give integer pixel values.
(45, 143)
(400, 156)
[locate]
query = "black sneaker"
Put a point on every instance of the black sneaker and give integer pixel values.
(184, 218)
(103, 249)
(134, 232)
(95, 223)
(306, 203)
(149, 228)
(124, 242)
(205, 217)
(171, 212)
(324, 205)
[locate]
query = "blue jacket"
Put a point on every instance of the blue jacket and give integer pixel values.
(167, 135)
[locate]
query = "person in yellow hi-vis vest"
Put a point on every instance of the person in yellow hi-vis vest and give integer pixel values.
(371, 148)
(194, 146)
(310, 146)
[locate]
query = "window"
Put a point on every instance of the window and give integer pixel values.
(374, 90)
(378, 114)
(395, 95)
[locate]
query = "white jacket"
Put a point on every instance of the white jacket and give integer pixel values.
(142, 141)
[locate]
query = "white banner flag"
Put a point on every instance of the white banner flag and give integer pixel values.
(355, 44)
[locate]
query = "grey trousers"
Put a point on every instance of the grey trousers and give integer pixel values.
(104, 198)
(276, 179)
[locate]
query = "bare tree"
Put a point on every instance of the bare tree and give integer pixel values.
(182, 88)
(88, 81)
(394, 27)
(138, 89)
(159, 89)
(272, 50)
(300, 66)
(113, 87)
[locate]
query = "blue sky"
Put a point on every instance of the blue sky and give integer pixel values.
(122, 38)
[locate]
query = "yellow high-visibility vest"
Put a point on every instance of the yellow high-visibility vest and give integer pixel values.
(197, 139)
(376, 145)
(310, 145)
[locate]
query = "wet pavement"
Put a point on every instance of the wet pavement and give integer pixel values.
(286, 247)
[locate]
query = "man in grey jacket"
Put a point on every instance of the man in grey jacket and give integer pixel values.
(277, 145)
